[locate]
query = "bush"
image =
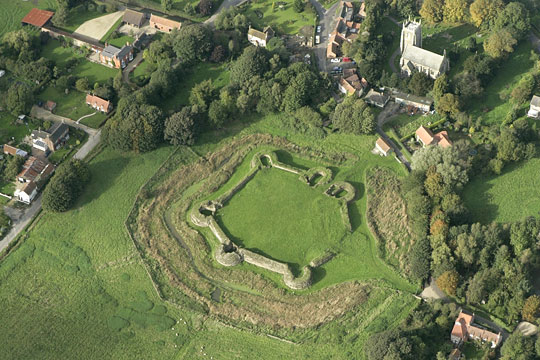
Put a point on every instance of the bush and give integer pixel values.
(66, 186)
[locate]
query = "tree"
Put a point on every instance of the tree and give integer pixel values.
(455, 11)
(515, 19)
(181, 127)
(203, 94)
(218, 54)
(523, 90)
(468, 85)
(137, 127)
(217, 114)
(448, 282)
(204, 7)
(388, 345)
(531, 308)
(418, 257)
(60, 16)
(65, 186)
(298, 5)
(499, 44)
(19, 98)
(420, 84)
(166, 5)
(485, 11)
(448, 104)
(518, 347)
(192, 42)
(82, 84)
(300, 91)
(252, 62)
(440, 87)
(13, 167)
(353, 116)
(432, 10)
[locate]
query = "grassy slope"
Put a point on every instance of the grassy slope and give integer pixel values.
(282, 217)
(62, 288)
(508, 197)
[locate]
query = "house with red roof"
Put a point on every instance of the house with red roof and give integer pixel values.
(465, 329)
(383, 147)
(98, 103)
(426, 137)
(163, 24)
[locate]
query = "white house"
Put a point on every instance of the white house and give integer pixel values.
(260, 38)
(383, 147)
(26, 193)
(534, 110)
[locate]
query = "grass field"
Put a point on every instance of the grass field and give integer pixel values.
(72, 105)
(203, 71)
(12, 12)
(9, 129)
(492, 108)
(283, 218)
(405, 124)
(511, 196)
(284, 21)
(120, 41)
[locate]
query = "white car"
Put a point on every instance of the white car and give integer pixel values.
(336, 60)
(318, 29)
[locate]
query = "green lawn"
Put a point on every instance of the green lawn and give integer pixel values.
(60, 55)
(10, 129)
(120, 41)
(405, 124)
(284, 21)
(283, 218)
(203, 71)
(72, 105)
(12, 12)
(7, 188)
(491, 107)
(511, 196)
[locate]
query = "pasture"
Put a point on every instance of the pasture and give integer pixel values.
(508, 197)
(12, 12)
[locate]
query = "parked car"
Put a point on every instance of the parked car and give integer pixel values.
(347, 59)
(318, 29)
(337, 68)
(317, 39)
(335, 60)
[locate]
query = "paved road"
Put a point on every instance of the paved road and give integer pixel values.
(390, 109)
(94, 137)
(327, 22)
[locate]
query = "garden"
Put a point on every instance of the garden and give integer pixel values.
(280, 15)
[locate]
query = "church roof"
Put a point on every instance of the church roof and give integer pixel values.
(419, 56)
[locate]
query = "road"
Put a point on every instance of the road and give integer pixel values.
(94, 137)
(390, 109)
(327, 22)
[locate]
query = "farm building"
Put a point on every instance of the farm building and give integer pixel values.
(133, 18)
(35, 170)
(534, 110)
(260, 38)
(419, 102)
(115, 57)
(426, 137)
(98, 103)
(37, 17)
(414, 58)
(164, 25)
(13, 151)
(26, 193)
(383, 147)
(464, 329)
(51, 139)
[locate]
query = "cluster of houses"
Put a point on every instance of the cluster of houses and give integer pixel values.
(351, 83)
(108, 55)
(33, 175)
(466, 329)
(346, 28)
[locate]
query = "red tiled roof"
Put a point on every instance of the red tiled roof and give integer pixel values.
(33, 167)
(162, 21)
(8, 149)
(93, 99)
(443, 140)
(383, 145)
(37, 17)
(425, 135)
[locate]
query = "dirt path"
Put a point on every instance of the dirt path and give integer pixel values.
(433, 292)
(98, 27)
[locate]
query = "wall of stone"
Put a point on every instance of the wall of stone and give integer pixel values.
(264, 262)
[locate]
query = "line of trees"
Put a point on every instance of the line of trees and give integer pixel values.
(65, 186)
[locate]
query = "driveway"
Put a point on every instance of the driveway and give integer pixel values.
(131, 66)
(98, 27)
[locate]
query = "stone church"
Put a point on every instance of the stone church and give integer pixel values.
(414, 58)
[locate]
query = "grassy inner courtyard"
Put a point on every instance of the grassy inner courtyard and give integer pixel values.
(281, 217)
(511, 196)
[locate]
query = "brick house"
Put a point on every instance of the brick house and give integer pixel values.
(133, 18)
(35, 170)
(115, 57)
(52, 139)
(383, 147)
(26, 193)
(465, 328)
(426, 137)
(13, 151)
(98, 103)
(260, 38)
(163, 24)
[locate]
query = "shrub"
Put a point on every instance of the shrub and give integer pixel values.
(66, 186)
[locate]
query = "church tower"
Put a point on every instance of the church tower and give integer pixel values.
(411, 34)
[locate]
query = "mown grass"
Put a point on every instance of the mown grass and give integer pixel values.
(284, 21)
(509, 197)
(405, 124)
(280, 216)
(12, 12)
(10, 130)
(71, 105)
